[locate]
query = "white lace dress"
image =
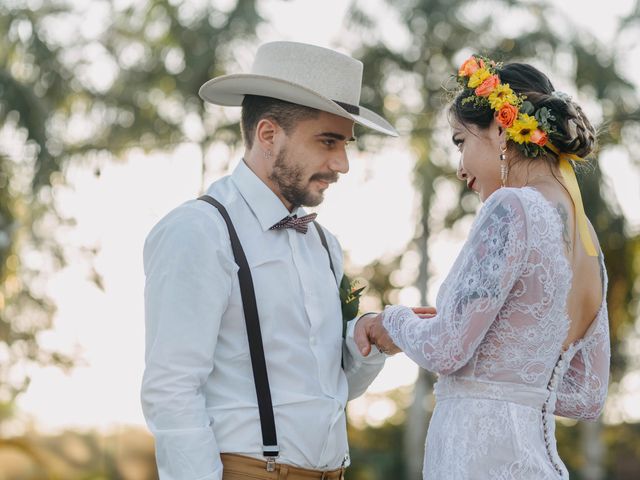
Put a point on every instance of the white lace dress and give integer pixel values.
(497, 344)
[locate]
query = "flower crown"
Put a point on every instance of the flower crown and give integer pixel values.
(526, 126)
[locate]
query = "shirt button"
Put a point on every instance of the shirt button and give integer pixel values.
(312, 340)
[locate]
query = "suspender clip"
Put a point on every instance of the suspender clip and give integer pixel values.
(271, 464)
(271, 452)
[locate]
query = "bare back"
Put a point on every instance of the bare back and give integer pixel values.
(585, 295)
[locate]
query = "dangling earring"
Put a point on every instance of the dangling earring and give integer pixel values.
(504, 168)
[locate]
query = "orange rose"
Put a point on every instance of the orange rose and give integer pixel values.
(539, 137)
(469, 66)
(506, 115)
(486, 87)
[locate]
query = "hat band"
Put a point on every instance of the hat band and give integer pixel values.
(352, 109)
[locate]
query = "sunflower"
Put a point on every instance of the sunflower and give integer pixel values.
(521, 129)
(479, 76)
(502, 94)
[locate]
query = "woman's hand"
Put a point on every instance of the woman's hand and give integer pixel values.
(424, 312)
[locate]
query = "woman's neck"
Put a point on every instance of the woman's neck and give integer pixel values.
(533, 173)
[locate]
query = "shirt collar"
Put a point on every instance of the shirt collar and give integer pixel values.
(262, 201)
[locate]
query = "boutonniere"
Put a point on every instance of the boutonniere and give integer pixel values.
(350, 292)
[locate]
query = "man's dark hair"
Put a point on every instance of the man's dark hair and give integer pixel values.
(285, 114)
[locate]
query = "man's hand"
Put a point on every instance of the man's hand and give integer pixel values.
(370, 331)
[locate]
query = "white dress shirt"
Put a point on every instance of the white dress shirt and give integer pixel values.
(198, 394)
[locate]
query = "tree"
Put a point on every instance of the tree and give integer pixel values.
(132, 84)
(34, 86)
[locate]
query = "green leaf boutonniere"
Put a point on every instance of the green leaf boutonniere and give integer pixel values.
(350, 292)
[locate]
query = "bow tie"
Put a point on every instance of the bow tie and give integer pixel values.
(300, 224)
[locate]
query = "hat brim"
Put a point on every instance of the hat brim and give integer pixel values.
(229, 90)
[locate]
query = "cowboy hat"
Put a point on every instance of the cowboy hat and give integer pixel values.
(302, 74)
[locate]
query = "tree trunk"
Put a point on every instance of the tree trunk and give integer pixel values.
(593, 448)
(419, 411)
(416, 426)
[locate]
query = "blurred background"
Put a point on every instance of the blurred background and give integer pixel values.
(102, 133)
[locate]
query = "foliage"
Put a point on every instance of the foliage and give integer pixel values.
(33, 87)
(350, 292)
(125, 455)
(89, 97)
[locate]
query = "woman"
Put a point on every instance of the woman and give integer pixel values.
(521, 331)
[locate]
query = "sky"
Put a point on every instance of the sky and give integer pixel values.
(116, 210)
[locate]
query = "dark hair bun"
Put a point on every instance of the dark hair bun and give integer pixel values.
(576, 134)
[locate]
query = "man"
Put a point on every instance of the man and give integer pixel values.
(202, 390)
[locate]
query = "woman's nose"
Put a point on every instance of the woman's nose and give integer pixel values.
(460, 173)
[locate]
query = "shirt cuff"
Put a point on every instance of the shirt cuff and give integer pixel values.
(190, 453)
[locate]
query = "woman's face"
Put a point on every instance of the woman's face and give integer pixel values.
(479, 150)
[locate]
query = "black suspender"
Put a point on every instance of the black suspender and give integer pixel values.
(265, 406)
(270, 447)
(323, 239)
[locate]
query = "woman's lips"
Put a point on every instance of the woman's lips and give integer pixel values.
(470, 183)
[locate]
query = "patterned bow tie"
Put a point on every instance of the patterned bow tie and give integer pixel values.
(300, 224)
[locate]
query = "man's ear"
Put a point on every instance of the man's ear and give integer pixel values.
(266, 130)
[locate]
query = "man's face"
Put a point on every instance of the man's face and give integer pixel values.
(310, 158)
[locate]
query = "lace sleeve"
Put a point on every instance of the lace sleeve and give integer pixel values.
(583, 390)
(474, 292)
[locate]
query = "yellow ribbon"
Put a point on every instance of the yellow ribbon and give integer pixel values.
(571, 182)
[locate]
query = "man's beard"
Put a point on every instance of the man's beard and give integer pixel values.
(289, 179)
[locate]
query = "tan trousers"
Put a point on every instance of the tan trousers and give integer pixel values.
(239, 467)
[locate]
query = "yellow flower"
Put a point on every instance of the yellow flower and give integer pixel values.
(522, 128)
(478, 77)
(502, 94)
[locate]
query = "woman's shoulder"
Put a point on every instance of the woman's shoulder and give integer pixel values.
(524, 200)
(512, 200)
(503, 221)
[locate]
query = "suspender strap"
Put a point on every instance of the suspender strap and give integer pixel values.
(323, 239)
(256, 350)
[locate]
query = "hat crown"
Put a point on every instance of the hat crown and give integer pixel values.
(330, 73)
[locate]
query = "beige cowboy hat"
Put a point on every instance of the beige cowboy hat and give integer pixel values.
(302, 74)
